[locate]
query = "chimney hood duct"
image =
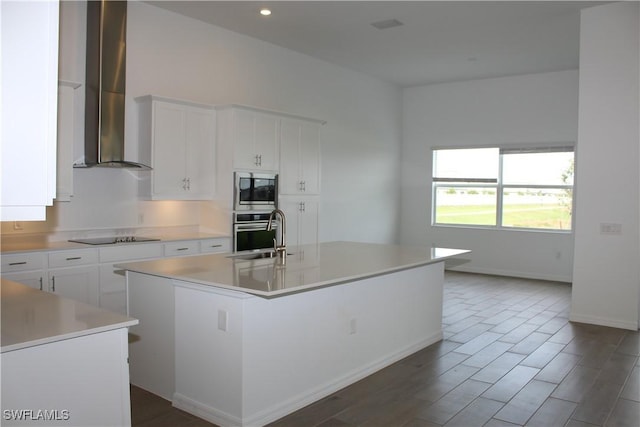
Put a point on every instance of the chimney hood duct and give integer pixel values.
(105, 84)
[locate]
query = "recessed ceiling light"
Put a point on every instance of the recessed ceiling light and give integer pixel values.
(265, 12)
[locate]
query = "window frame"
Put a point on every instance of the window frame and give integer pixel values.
(500, 186)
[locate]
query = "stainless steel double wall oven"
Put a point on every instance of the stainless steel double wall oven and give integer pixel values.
(255, 197)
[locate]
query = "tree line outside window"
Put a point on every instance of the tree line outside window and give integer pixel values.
(524, 188)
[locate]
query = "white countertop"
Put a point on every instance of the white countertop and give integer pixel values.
(36, 243)
(32, 317)
(307, 267)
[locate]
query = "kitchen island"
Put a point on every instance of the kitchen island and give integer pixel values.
(242, 341)
(63, 362)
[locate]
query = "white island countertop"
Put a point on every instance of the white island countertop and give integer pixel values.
(32, 317)
(307, 267)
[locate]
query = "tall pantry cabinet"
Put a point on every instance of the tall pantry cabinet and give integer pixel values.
(257, 140)
(299, 180)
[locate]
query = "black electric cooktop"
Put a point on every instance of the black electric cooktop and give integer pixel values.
(114, 240)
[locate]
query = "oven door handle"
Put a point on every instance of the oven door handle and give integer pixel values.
(251, 227)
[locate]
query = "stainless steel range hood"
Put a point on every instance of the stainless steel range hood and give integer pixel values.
(105, 86)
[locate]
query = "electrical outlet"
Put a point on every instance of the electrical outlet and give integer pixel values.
(223, 317)
(353, 326)
(611, 229)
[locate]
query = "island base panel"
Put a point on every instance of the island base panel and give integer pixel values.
(246, 360)
(81, 381)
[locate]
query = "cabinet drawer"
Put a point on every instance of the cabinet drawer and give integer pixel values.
(181, 248)
(71, 258)
(215, 245)
(131, 252)
(22, 262)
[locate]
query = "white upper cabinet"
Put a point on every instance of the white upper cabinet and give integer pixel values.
(66, 134)
(177, 139)
(255, 136)
(29, 35)
(299, 157)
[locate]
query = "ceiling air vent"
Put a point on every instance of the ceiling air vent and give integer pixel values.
(387, 23)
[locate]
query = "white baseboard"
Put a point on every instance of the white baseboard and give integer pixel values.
(276, 412)
(509, 273)
(601, 321)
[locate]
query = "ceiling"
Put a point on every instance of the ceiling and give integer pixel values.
(438, 41)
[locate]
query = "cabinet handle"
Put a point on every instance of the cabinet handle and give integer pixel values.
(184, 184)
(189, 184)
(300, 185)
(257, 162)
(215, 246)
(40, 283)
(182, 249)
(18, 263)
(304, 185)
(74, 258)
(304, 206)
(53, 283)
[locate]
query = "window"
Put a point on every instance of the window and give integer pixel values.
(503, 187)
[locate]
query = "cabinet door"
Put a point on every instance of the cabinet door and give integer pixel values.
(113, 294)
(299, 157)
(78, 283)
(267, 135)
(308, 222)
(200, 153)
(255, 145)
(168, 174)
(35, 279)
(289, 181)
(244, 134)
(66, 136)
(302, 219)
(310, 157)
(29, 120)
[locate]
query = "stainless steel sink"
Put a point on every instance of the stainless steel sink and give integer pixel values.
(254, 255)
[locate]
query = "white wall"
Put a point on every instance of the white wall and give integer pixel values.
(179, 57)
(606, 269)
(537, 108)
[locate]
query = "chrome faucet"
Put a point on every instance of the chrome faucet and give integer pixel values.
(281, 249)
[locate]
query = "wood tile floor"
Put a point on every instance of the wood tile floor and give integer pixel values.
(509, 358)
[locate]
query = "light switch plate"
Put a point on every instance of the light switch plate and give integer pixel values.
(609, 228)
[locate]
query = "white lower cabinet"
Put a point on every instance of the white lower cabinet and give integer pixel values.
(113, 293)
(36, 278)
(74, 274)
(77, 283)
(27, 268)
(208, 246)
(302, 219)
(181, 248)
(90, 275)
